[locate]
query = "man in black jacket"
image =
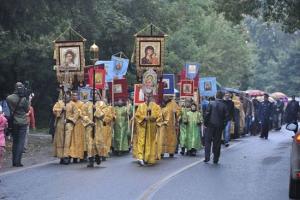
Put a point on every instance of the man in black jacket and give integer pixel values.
(292, 111)
(217, 116)
(265, 112)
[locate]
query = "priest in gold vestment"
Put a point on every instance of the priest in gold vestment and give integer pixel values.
(147, 116)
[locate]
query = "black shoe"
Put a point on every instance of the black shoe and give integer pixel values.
(91, 162)
(227, 145)
(18, 165)
(182, 151)
(98, 159)
(261, 136)
(206, 160)
(66, 161)
(171, 155)
(216, 161)
(266, 138)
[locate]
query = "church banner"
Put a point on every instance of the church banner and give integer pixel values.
(169, 84)
(208, 86)
(108, 66)
(118, 89)
(139, 96)
(186, 88)
(99, 77)
(192, 70)
(120, 66)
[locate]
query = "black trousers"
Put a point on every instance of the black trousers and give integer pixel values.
(265, 129)
(19, 133)
(213, 135)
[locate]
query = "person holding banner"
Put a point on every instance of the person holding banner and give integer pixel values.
(59, 136)
(92, 132)
(121, 128)
(72, 115)
(162, 130)
(106, 137)
(77, 139)
(147, 116)
(185, 108)
(193, 122)
(170, 137)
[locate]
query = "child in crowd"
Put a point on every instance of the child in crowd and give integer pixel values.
(3, 125)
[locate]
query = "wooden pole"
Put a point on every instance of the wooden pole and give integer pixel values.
(94, 98)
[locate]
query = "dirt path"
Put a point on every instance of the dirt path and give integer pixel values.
(39, 151)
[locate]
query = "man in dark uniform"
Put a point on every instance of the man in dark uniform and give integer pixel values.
(216, 118)
(265, 112)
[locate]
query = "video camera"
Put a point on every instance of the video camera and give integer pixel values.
(23, 90)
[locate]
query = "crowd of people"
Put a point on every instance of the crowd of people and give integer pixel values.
(255, 115)
(91, 131)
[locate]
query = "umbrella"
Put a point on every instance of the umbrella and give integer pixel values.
(278, 95)
(255, 93)
(231, 90)
(261, 99)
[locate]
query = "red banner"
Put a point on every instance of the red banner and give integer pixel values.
(183, 77)
(99, 77)
(186, 88)
(120, 89)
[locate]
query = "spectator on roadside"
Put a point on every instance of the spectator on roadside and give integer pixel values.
(5, 110)
(3, 126)
(31, 124)
(230, 107)
(19, 107)
(216, 118)
(292, 111)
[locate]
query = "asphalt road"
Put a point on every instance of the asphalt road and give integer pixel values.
(251, 168)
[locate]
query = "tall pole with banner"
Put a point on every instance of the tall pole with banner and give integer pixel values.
(94, 49)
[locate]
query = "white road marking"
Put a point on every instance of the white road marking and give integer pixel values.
(150, 192)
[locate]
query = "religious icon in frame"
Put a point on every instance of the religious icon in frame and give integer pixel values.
(187, 88)
(150, 53)
(70, 56)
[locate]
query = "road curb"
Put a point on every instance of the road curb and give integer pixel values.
(27, 168)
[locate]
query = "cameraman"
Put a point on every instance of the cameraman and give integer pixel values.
(19, 107)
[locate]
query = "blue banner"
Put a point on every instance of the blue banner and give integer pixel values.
(108, 65)
(169, 84)
(85, 94)
(208, 86)
(120, 66)
(192, 70)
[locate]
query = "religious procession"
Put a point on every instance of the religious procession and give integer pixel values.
(95, 117)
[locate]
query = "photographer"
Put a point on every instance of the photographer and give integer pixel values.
(19, 107)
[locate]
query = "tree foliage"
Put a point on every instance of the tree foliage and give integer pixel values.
(198, 32)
